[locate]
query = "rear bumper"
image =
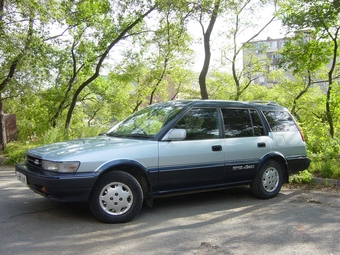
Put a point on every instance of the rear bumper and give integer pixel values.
(297, 164)
(75, 187)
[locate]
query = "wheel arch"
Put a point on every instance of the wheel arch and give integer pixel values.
(136, 169)
(278, 157)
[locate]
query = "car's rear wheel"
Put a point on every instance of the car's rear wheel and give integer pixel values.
(268, 181)
(116, 197)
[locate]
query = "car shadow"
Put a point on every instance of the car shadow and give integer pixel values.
(186, 205)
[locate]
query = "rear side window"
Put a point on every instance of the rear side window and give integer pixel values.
(242, 123)
(257, 123)
(280, 121)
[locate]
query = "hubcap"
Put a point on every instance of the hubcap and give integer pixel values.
(270, 179)
(116, 198)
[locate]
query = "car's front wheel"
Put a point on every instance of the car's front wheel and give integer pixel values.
(268, 181)
(116, 197)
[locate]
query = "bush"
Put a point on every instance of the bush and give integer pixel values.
(304, 177)
(326, 169)
(15, 151)
(324, 154)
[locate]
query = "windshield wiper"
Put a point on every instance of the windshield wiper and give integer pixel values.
(114, 135)
(130, 135)
(138, 136)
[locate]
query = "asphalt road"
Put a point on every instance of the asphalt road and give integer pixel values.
(222, 222)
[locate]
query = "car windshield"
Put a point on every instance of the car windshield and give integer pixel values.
(146, 123)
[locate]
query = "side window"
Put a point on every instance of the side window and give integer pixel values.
(242, 123)
(257, 123)
(200, 123)
(280, 121)
(237, 123)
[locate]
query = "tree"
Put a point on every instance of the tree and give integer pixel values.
(241, 19)
(304, 55)
(169, 48)
(123, 27)
(322, 17)
(155, 56)
(21, 45)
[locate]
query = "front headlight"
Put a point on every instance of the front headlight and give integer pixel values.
(61, 167)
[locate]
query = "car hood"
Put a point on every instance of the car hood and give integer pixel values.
(81, 146)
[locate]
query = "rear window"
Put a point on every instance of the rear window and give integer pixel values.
(280, 121)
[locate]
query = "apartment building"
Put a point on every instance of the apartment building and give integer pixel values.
(265, 51)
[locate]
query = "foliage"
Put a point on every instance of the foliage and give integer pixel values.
(301, 178)
(325, 155)
(15, 151)
(318, 23)
(87, 55)
(329, 168)
(221, 86)
(239, 17)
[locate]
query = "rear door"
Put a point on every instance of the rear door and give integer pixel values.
(197, 161)
(246, 142)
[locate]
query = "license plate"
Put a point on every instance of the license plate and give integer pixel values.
(21, 177)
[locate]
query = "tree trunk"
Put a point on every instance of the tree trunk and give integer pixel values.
(75, 71)
(329, 112)
(3, 137)
(207, 53)
(304, 91)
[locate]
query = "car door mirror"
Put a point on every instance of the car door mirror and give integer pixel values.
(175, 135)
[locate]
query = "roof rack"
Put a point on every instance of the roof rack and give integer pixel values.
(264, 102)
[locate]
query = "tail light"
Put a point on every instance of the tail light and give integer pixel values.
(302, 136)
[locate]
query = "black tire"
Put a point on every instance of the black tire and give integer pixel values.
(268, 180)
(117, 197)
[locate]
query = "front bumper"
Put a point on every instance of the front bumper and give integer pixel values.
(63, 187)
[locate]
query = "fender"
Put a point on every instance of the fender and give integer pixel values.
(276, 156)
(128, 162)
(107, 165)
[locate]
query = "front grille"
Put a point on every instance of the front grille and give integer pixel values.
(33, 161)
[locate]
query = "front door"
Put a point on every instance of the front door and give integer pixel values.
(197, 161)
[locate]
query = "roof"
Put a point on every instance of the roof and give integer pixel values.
(261, 105)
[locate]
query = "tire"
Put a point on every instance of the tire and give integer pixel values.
(117, 197)
(268, 181)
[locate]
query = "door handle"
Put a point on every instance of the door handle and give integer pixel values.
(261, 145)
(216, 148)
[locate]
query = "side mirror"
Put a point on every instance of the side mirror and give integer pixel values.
(175, 135)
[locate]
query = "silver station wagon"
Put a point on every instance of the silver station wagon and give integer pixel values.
(170, 148)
